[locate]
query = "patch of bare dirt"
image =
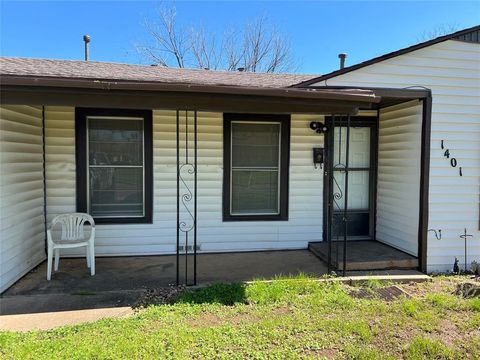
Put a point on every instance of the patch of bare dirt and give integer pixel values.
(449, 333)
(206, 320)
(421, 289)
(282, 311)
(321, 353)
(158, 296)
(243, 318)
(210, 320)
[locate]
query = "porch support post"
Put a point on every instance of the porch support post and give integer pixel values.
(186, 162)
(178, 199)
(195, 133)
(186, 197)
(345, 204)
(44, 170)
(424, 182)
(330, 199)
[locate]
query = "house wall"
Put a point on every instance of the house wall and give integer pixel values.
(305, 190)
(22, 231)
(398, 189)
(451, 69)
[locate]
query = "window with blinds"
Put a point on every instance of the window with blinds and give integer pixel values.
(114, 164)
(115, 167)
(257, 167)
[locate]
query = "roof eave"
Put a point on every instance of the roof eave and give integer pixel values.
(354, 95)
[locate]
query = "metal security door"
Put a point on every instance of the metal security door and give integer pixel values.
(349, 186)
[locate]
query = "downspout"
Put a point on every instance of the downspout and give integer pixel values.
(44, 179)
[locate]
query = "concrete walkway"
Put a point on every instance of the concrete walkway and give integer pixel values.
(50, 320)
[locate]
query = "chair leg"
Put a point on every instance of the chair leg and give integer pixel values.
(49, 262)
(92, 259)
(57, 259)
(87, 249)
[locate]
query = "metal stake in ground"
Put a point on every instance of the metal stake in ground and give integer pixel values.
(465, 236)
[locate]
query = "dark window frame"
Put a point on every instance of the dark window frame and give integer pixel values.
(81, 158)
(285, 121)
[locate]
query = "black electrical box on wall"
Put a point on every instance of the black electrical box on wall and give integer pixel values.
(318, 157)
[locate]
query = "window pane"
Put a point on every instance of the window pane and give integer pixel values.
(254, 192)
(116, 192)
(358, 186)
(115, 141)
(255, 145)
(359, 152)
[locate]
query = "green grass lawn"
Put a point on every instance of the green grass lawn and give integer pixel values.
(285, 319)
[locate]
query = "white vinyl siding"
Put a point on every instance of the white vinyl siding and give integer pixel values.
(60, 160)
(22, 231)
(451, 69)
(305, 192)
(398, 183)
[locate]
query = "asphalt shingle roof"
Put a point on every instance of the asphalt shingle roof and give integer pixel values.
(75, 69)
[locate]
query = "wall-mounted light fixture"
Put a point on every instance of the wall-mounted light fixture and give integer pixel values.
(318, 127)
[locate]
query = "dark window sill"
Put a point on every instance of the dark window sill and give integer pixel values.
(227, 218)
(120, 221)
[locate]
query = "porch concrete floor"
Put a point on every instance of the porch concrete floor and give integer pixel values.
(120, 281)
(137, 272)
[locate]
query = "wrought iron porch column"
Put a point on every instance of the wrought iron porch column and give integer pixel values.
(345, 207)
(186, 199)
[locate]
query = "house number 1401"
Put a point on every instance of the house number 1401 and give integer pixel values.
(453, 161)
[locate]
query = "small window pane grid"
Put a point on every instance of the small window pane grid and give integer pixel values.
(359, 166)
(115, 176)
(114, 170)
(360, 178)
(255, 168)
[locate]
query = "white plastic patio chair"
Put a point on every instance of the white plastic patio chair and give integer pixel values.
(72, 236)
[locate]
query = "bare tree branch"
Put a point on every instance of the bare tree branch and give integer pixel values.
(204, 50)
(231, 51)
(439, 30)
(258, 47)
(171, 41)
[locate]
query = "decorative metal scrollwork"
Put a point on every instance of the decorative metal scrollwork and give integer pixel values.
(187, 197)
(338, 193)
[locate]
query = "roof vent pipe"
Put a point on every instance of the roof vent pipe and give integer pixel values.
(86, 39)
(342, 58)
(241, 69)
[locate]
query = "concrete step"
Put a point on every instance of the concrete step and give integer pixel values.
(364, 256)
